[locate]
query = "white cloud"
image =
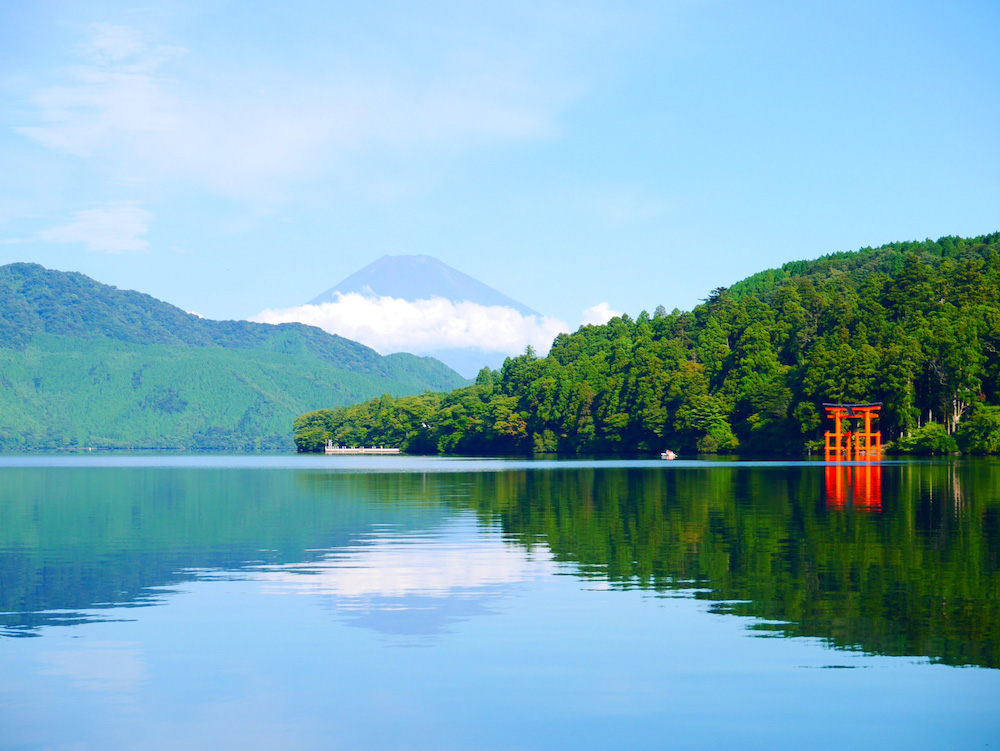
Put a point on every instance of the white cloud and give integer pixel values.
(453, 563)
(109, 107)
(115, 228)
(388, 324)
(131, 104)
(598, 314)
(110, 43)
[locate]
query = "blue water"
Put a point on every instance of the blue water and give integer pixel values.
(398, 603)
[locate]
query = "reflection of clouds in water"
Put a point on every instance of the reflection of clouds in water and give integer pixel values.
(113, 667)
(415, 583)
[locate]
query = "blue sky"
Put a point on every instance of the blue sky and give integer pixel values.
(232, 157)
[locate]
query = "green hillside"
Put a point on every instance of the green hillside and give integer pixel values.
(83, 364)
(913, 325)
(855, 268)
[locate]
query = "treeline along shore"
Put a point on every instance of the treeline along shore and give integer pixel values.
(914, 325)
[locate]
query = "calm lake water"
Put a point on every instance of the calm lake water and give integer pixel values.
(400, 603)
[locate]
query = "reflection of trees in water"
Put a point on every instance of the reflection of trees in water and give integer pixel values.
(915, 573)
(903, 561)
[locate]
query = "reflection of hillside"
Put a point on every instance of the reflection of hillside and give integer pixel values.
(915, 575)
(80, 539)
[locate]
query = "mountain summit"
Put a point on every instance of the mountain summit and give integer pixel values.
(419, 278)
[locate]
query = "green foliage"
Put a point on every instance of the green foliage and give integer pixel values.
(915, 326)
(718, 439)
(86, 365)
(485, 378)
(981, 433)
(928, 440)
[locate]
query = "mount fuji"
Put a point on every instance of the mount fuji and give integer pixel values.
(415, 278)
(419, 305)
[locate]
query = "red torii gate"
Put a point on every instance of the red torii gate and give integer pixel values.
(866, 444)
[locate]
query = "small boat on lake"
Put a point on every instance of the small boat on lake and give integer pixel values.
(668, 454)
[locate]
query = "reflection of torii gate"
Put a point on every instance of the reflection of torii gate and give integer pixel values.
(866, 444)
(861, 484)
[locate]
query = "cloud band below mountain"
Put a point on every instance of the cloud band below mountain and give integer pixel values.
(389, 324)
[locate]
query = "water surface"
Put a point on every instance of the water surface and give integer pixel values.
(396, 602)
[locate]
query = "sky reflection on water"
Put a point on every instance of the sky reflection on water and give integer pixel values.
(415, 584)
(587, 605)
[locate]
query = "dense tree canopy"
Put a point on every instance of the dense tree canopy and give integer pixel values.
(913, 325)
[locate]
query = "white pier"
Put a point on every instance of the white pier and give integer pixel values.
(331, 449)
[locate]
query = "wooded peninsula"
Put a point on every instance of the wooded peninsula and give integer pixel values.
(914, 325)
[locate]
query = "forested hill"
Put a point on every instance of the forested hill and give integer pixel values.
(36, 300)
(913, 325)
(85, 364)
(855, 268)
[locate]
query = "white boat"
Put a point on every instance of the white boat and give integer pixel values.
(668, 454)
